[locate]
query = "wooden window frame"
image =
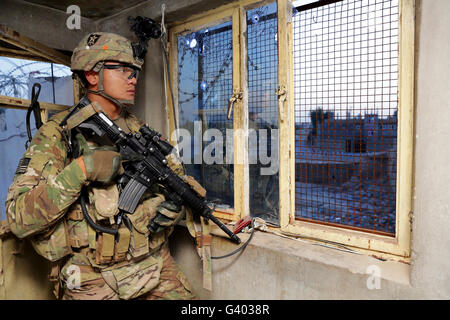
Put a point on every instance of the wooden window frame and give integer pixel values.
(227, 13)
(30, 49)
(398, 247)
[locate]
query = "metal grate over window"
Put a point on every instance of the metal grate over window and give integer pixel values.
(205, 83)
(346, 100)
(262, 64)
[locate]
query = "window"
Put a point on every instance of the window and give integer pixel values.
(262, 69)
(350, 47)
(325, 88)
(17, 76)
(205, 83)
(347, 62)
(233, 153)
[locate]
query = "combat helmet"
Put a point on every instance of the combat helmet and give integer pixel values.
(96, 48)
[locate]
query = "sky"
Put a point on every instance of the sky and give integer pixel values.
(346, 58)
(20, 70)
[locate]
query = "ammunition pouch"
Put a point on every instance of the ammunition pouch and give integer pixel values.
(133, 240)
(73, 233)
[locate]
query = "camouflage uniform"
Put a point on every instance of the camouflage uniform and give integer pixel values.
(43, 205)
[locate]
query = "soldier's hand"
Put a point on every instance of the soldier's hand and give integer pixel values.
(99, 165)
(167, 214)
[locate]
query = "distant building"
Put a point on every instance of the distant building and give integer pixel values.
(356, 135)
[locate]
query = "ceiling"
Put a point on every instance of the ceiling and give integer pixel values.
(104, 15)
(90, 9)
(15, 45)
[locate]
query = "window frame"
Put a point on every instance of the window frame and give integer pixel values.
(398, 247)
(32, 50)
(227, 13)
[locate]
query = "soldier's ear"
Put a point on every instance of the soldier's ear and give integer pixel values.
(92, 78)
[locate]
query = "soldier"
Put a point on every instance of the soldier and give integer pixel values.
(43, 202)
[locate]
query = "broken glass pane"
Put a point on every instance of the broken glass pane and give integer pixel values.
(205, 83)
(263, 112)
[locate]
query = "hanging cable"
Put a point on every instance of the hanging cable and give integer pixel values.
(53, 83)
(241, 247)
(167, 80)
(166, 61)
(36, 110)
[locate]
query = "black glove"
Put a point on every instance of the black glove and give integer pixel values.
(168, 214)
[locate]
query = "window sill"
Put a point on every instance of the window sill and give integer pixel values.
(317, 252)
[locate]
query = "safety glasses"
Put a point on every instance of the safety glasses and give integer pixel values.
(126, 72)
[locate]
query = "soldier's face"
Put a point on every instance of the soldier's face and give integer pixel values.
(116, 83)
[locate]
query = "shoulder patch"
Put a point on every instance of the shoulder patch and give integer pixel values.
(23, 165)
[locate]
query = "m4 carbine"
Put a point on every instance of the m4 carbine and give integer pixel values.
(146, 164)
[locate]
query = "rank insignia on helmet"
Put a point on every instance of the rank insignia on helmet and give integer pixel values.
(92, 39)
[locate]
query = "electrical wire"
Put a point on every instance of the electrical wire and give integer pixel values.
(241, 247)
(163, 39)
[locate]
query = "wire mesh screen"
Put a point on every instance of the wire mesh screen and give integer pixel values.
(346, 99)
(205, 83)
(263, 112)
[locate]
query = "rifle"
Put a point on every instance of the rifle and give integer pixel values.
(146, 165)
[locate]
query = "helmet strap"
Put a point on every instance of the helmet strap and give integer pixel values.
(122, 103)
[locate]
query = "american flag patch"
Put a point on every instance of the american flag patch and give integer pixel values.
(23, 165)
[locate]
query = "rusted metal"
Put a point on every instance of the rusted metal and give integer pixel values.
(346, 98)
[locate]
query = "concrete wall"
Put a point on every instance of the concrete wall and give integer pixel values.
(48, 26)
(431, 222)
(150, 99)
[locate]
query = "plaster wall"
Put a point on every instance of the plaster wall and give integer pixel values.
(431, 219)
(150, 98)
